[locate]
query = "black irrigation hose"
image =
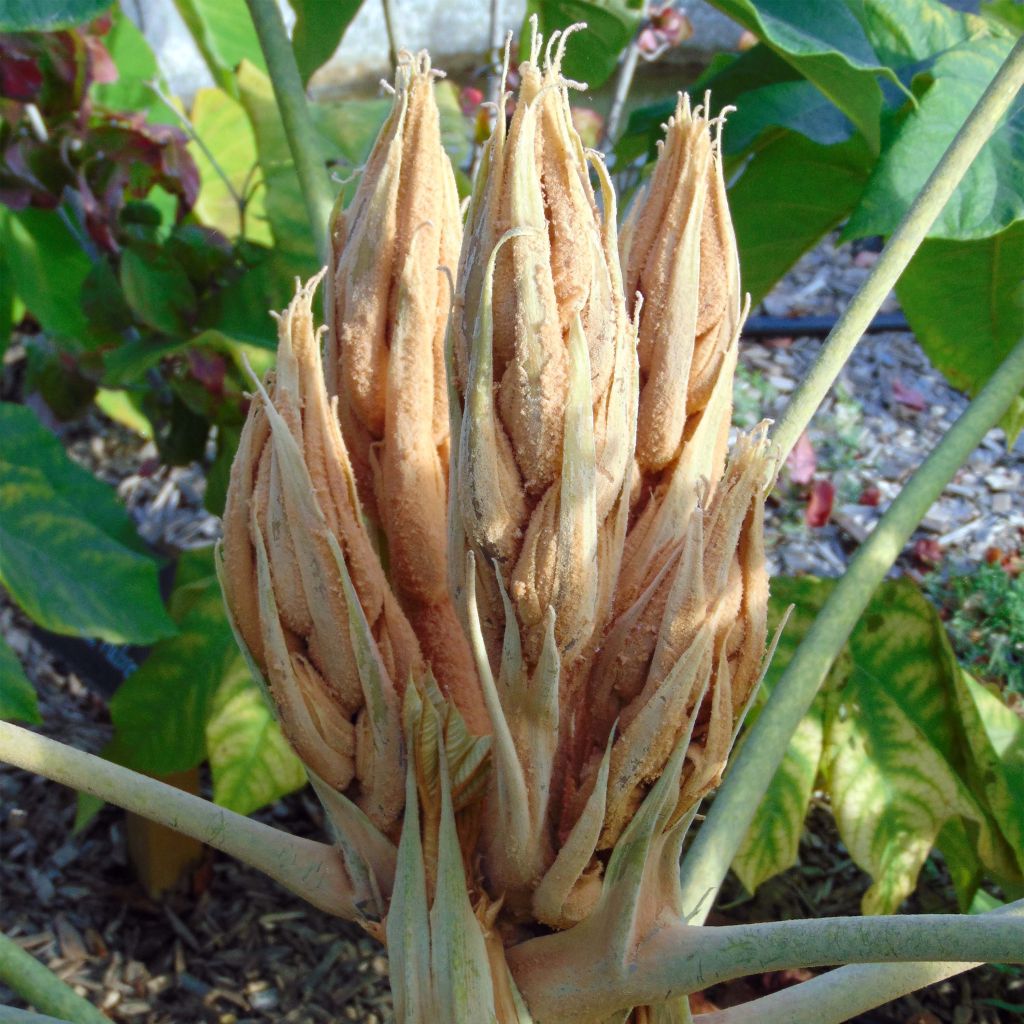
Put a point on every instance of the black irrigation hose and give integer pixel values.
(815, 326)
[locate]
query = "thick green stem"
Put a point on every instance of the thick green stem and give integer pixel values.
(841, 994)
(36, 984)
(759, 757)
(561, 978)
(307, 868)
(900, 249)
(303, 139)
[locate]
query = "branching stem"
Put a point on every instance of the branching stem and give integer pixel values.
(900, 248)
(562, 979)
(844, 993)
(307, 868)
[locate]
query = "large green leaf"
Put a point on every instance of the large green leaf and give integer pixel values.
(47, 15)
(965, 303)
(828, 45)
(590, 56)
(67, 574)
(27, 443)
(991, 195)
(885, 732)
(225, 35)
(48, 268)
(223, 126)
(251, 761)
(912, 31)
(160, 712)
(318, 30)
(791, 193)
(772, 841)
(17, 695)
(995, 736)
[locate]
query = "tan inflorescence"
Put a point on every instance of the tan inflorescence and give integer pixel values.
(513, 724)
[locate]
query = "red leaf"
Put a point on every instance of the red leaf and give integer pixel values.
(928, 552)
(910, 397)
(103, 68)
(819, 504)
(209, 369)
(802, 462)
(870, 496)
(469, 99)
(20, 74)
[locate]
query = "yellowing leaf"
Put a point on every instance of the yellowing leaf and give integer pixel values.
(251, 761)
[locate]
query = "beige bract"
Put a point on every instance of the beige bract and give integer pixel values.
(512, 726)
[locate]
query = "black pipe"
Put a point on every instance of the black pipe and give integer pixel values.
(815, 326)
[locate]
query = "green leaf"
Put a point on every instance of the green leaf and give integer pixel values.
(47, 15)
(991, 195)
(912, 31)
(224, 33)
(122, 408)
(791, 193)
(891, 752)
(157, 288)
(965, 303)
(318, 30)
(773, 839)
(251, 761)
(48, 267)
(161, 711)
(222, 124)
(828, 45)
(17, 695)
(1008, 13)
(995, 736)
(136, 67)
(66, 574)
(7, 298)
(27, 443)
(891, 745)
(590, 56)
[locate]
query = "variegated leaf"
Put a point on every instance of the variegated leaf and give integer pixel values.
(995, 736)
(251, 761)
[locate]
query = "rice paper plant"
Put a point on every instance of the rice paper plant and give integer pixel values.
(488, 547)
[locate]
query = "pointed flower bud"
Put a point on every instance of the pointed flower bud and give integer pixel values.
(543, 353)
(305, 587)
(385, 361)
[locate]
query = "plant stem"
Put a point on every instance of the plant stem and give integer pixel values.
(623, 83)
(303, 139)
(11, 1015)
(389, 28)
(307, 868)
(561, 979)
(900, 249)
(758, 758)
(841, 994)
(37, 984)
